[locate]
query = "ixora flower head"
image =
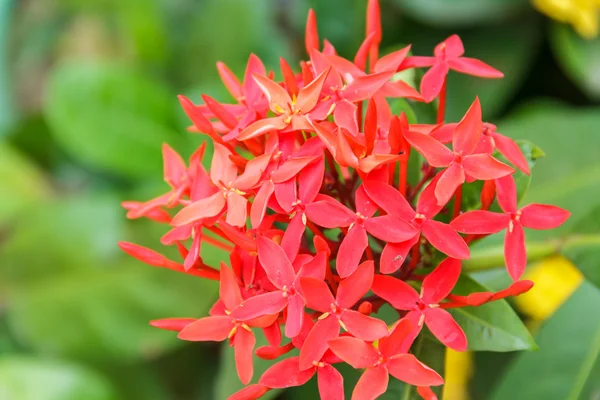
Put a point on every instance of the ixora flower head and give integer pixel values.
(309, 192)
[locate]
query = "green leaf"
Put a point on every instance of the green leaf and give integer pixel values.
(585, 255)
(227, 379)
(21, 183)
(578, 57)
(110, 117)
(6, 105)
(25, 378)
(567, 366)
(460, 12)
(102, 313)
(66, 235)
(569, 175)
(493, 326)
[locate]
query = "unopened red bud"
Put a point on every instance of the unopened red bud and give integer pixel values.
(143, 254)
(365, 308)
(172, 324)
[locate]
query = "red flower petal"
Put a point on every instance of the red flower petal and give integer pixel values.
(372, 384)
(469, 129)
(390, 228)
(276, 264)
(229, 290)
(515, 254)
(207, 329)
(436, 154)
(172, 324)
(406, 368)
(392, 61)
(511, 150)
(485, 167)
(236, 210)
(230, 81)
(286, 374)
(363, 327)
(345, 117)
(440, 282)
(472, 66)
(316, 293)
(316, 343)
(278, 97)
(259, 206)
(310, 180)
(351, 250)
(174, 167)
(331, 383)
(308, 97)
(543, 216)
(389, 199)
(452, 47)
(394, 255)
(364, 87)
(480, 222)
(261, 127)
(433, 81)
(355, 352)
(445, 239)
(450, 179)
(311, 35)
(291, 168)
(506, 192)
(395, 342)
(262, 304)
(292, 237)
(205, 208)
(243, 345)
(445, 328)
(353, 288)
(295, 314)
(329, 213)
(426, 393)
(399, 293)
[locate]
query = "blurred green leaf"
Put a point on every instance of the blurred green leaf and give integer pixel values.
(493, 326)
(110, 117)
(6, 105)
(21, 183)
(461, 12)
(579, 58)
(585, 255)
(24, 378)
(567, 366)
(143, 22)
(228, 31)
(569, 175)
(103, 313)
(66, 235)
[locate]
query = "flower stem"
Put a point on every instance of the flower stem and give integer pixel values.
(442, 104)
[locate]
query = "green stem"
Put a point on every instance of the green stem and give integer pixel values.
(493, 257)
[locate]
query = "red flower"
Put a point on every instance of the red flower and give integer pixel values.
(229, 190)
(221, 326)
(441, 236)
(448, 55)
(461, 163)
(330, 213)
(291, 112)
(337, 312)
(534, 216)
(425, 308)
(281, 273)
(389, 358)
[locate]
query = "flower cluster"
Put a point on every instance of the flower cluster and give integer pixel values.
(308, 191)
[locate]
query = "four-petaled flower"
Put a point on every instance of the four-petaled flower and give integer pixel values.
(534, 216)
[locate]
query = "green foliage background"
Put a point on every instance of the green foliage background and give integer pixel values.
(88, 95)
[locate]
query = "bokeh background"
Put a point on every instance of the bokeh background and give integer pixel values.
(88, 95)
